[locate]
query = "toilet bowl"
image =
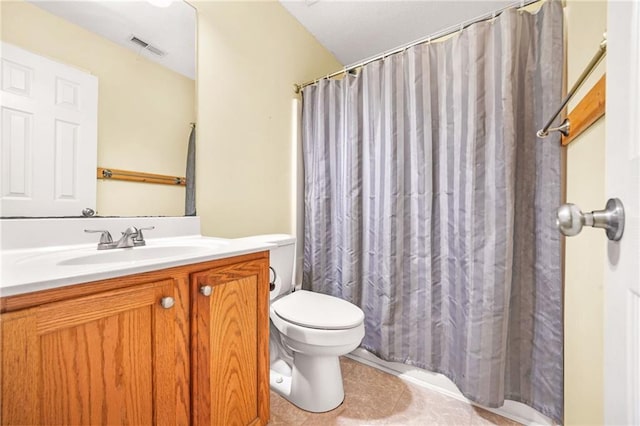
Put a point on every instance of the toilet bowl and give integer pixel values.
(309, 331)
(316, 329)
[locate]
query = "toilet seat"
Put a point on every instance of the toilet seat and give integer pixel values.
(308, 333)
(317, 311)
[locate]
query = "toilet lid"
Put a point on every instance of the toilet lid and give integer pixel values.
(315, 310)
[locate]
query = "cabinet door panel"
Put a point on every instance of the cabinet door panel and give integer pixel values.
(234, 340)
(103, 369)
(231, 356)
(107, 358)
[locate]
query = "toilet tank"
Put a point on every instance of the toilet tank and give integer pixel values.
(282, 260)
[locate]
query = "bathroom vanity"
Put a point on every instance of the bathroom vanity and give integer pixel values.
(177, 342)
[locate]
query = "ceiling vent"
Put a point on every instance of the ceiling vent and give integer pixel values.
(151, 48)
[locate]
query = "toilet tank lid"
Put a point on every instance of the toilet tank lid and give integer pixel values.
(278, 239)
(316, 310)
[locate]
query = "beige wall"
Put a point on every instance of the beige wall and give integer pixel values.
(249, 56)
(144, 110)
(585, 253)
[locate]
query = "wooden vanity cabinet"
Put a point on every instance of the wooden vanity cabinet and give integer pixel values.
(143, 349)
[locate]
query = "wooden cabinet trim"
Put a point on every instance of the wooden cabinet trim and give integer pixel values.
(68, 313)
(182, 340)
(19, 354)
(263, 321)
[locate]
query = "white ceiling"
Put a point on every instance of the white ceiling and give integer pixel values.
(357, 30)
(171, 29)
(353, 30)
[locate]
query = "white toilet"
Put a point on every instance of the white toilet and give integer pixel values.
(308, 332)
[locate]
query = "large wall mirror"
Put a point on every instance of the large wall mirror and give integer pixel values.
(143, 56)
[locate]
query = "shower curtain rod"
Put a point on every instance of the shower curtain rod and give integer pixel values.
(565, 126)
(447, 31)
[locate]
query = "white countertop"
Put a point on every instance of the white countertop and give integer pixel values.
(30, 268)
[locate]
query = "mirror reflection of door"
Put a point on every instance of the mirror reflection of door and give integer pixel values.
(146, 96)
(49, 136)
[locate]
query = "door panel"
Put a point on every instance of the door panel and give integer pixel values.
(17, 146)
(622, 284)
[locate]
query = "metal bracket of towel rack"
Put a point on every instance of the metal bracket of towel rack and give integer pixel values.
(565, 127)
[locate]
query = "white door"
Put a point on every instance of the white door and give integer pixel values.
(49, 136)
(622, 275)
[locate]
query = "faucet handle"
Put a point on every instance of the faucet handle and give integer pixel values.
(138, 240)
(131, 230)
(105, 238)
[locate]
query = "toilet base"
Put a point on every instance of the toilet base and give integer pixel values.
(315, 383)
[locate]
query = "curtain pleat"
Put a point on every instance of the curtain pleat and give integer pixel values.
(429, 203)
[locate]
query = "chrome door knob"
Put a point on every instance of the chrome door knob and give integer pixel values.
(570, 220)
(206, 290)
(167, 302)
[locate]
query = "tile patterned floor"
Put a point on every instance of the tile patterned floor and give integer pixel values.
(373, 397)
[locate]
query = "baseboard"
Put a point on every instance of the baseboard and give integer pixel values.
(511, 409)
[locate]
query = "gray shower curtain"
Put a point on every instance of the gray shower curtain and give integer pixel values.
(429, 203)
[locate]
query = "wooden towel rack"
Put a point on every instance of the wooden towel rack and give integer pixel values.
(107, 173)
(588, 111)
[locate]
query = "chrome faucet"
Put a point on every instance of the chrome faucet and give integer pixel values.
(127, 238)
(131, 237)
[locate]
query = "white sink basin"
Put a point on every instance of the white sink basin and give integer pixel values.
(134, 254)
(37, 263)
(91, 256)
(39, 269)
